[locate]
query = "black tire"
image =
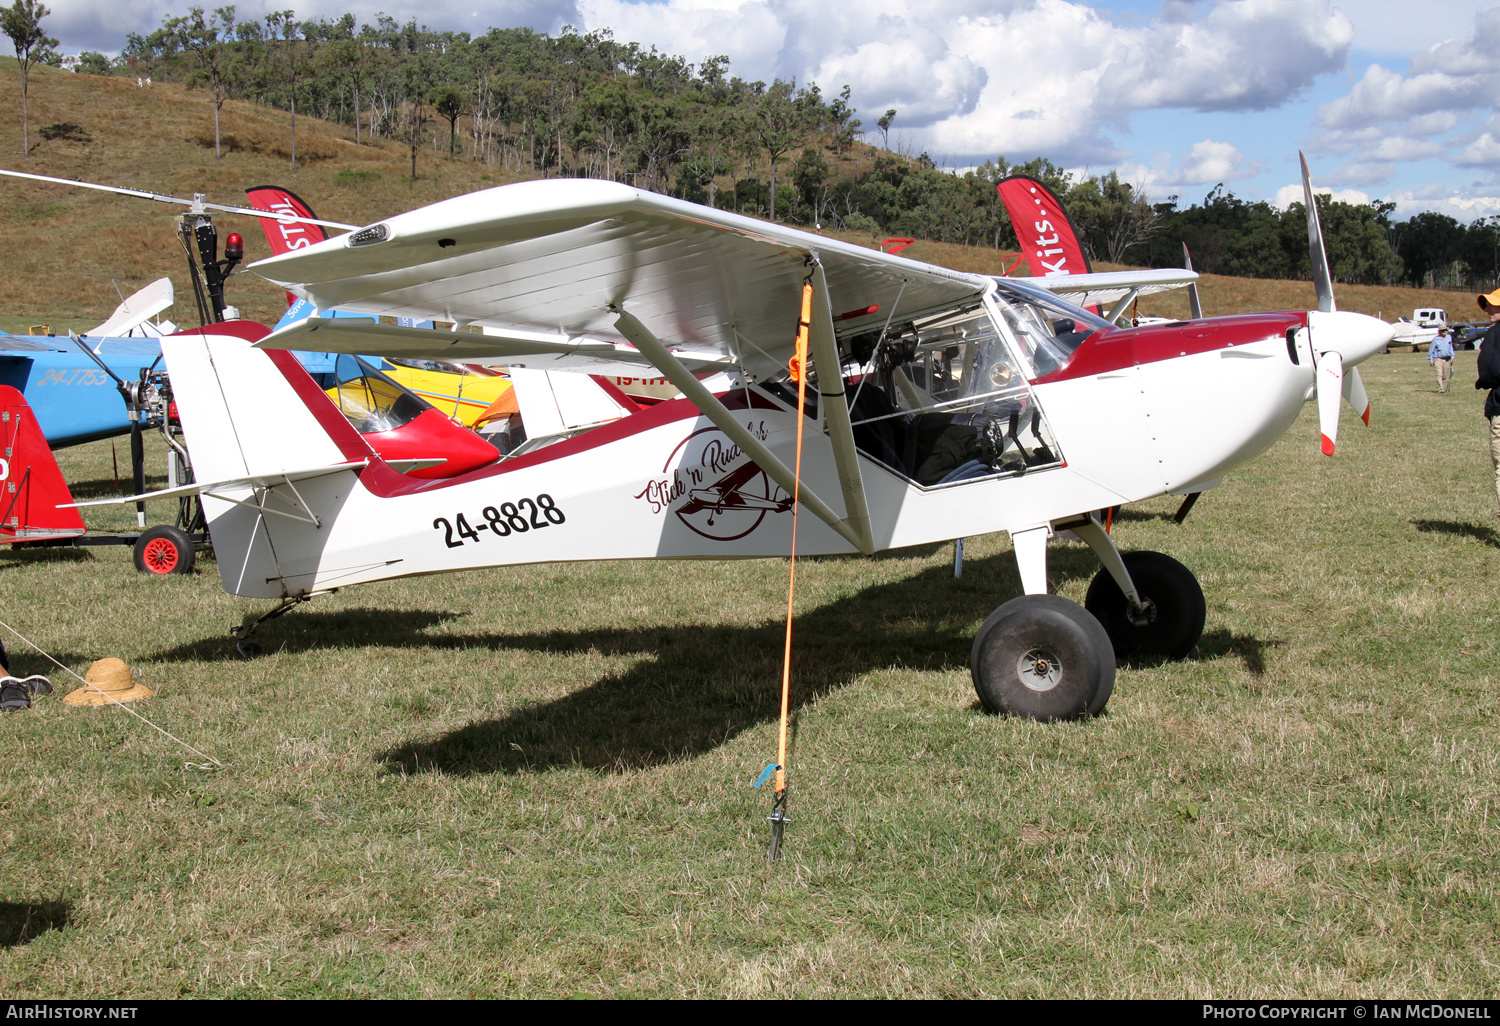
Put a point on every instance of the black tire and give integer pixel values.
(1178, 610)
(1043, 657)
(164, 550)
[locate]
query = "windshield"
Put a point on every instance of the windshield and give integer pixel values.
(1048, 328)
(371, 401)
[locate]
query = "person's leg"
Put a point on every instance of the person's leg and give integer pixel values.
(1495, 458)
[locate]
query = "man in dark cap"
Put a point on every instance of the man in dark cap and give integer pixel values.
(1489, 377)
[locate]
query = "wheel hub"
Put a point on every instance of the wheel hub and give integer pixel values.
(1143, 615)
(1039, 669)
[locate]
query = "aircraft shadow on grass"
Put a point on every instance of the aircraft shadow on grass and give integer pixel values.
(696, 686)
(22, 922)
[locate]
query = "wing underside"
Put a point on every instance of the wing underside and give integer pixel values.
(562, 258)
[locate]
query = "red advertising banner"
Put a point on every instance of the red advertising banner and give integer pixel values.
(1042, 228)
(283, 235)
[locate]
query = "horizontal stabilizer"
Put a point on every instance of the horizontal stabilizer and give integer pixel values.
(402, 466)
(252, 481)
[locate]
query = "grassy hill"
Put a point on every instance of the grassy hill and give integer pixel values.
(64, 251)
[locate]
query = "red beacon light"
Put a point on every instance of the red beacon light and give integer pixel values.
(234, 247)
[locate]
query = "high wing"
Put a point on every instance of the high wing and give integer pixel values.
(564, 257)
(1115, 289)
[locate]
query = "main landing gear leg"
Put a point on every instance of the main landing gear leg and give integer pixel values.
(1041, 655)
(241, 633)
(1149, 603)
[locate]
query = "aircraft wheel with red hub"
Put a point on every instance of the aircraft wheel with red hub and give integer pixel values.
(1043, 657)
(1175, 610)
(164, 550)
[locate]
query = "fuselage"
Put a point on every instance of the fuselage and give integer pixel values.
(1131, 414)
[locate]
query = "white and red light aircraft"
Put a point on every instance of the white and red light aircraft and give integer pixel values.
(946, 405)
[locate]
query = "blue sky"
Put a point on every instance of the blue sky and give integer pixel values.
(1391, 99)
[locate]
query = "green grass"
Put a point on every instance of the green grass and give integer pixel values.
(535, 781)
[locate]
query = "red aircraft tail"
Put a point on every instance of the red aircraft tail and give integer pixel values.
(31, 485)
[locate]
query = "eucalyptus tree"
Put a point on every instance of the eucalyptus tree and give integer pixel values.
(208, 39)
(22, 22)
(450, 103)
(783, 119)
(284, 35)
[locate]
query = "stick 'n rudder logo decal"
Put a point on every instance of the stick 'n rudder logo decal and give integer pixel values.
(709, 484)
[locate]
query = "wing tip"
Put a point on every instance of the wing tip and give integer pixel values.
(1327, 446)
(1365, 416)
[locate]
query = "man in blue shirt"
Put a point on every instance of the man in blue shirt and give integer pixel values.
(1440, 356)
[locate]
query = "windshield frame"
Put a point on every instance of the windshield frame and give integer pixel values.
(1036, 294)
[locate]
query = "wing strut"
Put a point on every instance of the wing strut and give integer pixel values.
(673, 370)
(835, 409)
(1120, 307)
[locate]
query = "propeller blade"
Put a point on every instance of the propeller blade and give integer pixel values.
(1315, 251)
(1195, 305)
(1330, 386)
(1355, 395)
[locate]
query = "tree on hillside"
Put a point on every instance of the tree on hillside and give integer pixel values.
(884, 124)
(780, 126)
(416, 79)
(283, 24)
(23, 24)
(206, 39)
(449, 104)
(1110, 216)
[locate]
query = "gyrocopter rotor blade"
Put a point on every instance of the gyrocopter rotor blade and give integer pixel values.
(196, 204)
(1340, 340)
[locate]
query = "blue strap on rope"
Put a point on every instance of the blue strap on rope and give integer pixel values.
(765, 774)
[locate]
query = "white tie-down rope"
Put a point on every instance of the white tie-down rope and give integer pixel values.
(106, 694)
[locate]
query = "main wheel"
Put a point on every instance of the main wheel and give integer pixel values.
(164, 550)
(1044, 657)
(1175, 610)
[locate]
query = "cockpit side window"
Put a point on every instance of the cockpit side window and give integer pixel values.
(943, 400)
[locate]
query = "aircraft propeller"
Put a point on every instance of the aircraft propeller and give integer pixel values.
(1339, 340)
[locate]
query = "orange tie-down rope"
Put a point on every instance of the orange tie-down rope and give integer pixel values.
(798, 369)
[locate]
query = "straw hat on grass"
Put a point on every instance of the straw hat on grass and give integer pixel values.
(112, 678)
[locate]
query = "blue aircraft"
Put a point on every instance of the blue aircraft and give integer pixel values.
(76, 397)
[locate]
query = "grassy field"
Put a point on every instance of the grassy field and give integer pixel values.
(535, 782)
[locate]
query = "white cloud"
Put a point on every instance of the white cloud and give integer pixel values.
(1205, 163)
(1383, 96)
(1482, 152)
(1435, 110)
(1289, 194)
(1464, 205)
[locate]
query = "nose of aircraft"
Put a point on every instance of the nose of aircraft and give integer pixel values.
(1354, 336)
(1342, 340)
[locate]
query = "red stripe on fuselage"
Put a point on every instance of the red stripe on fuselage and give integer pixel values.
(1107, 351)
(384, 482)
